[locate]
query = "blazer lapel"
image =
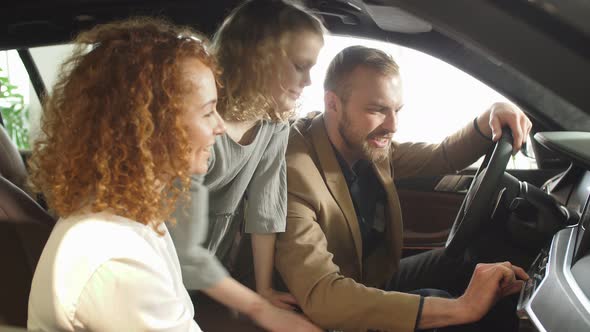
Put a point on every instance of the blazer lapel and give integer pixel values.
(335, 180)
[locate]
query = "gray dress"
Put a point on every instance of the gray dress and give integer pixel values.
(247, 188)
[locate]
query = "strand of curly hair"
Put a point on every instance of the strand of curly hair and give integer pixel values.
(112, 136)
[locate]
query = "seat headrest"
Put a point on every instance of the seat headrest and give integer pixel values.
(12, 166)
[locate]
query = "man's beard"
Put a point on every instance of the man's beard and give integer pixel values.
(357, 142)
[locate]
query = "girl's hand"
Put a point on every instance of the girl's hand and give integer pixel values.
(279, 299)
(275, 319)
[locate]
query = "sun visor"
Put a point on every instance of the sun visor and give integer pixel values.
(396, 20)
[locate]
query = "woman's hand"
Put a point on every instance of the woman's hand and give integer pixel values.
(239, 297)
(279, 299)
(276, 319)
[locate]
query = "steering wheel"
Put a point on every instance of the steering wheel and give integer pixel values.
(476, 207)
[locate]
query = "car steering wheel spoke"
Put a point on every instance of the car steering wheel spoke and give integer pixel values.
(477, 205)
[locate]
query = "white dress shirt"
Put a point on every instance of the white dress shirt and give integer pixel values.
(102, 272)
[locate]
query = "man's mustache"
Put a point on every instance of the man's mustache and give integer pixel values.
(381, 134)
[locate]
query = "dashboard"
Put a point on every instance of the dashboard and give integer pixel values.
(556, 297)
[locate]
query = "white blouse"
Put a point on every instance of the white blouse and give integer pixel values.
(102, 272)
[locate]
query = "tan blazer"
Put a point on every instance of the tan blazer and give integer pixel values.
(319, 255)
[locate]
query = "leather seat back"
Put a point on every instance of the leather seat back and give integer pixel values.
(24, 229)
(12, 166)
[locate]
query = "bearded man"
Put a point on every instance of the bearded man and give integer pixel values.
(340, 254)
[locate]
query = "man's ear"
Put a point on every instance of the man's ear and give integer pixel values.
(332, 102)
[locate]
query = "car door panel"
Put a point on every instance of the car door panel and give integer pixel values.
(427, 217)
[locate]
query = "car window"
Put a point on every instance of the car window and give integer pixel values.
(15, 96)
(22, 113)
(438, 97)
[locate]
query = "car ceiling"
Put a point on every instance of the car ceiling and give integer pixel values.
(535, 52)
(34, 23)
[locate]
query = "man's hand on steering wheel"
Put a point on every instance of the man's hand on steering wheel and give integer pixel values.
(475, 210)
(501, 115)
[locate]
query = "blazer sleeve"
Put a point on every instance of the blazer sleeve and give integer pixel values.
(328, 298)
(453, 154)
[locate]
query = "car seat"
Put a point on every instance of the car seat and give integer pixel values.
(24, 229)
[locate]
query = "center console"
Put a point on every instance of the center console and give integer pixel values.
(551, 299)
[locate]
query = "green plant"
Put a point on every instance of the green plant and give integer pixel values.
(15, 114)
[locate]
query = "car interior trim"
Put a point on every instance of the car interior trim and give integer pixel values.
(569, 277)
